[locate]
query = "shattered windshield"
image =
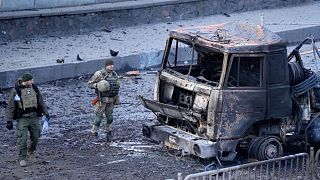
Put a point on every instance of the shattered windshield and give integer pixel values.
(199, 63)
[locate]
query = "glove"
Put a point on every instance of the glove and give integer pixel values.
(9, 125)
(48, 117)
(95, 85)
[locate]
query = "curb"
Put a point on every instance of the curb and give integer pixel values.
(63, 71)
(140, 61)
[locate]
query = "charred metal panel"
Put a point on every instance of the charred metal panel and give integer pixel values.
(280, 102)
(166, 52)
(156, 88)
(228, 145)
(241, 108)
(279, 95)
(170, 110)
(232, 37)
(200, 103)
(214, 106)
(167, 92)
(181, 140)
(182, 82)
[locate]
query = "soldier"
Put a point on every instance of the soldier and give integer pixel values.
(106, 83)
(26, 105)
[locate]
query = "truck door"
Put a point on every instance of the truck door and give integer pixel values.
(244, 95)
(279, 99)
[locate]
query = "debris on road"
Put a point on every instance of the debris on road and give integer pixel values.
(79, 58)
(133, 73)
(113, 53)
(60, 60)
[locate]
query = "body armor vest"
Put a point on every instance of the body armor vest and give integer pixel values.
(113, 80)
(28, 102)
(29, 98)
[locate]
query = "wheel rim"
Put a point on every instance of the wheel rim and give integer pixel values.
(270, 148)
(271, 151)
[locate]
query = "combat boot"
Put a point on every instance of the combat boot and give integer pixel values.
(109, 136)
(94, 130)
(32, 158)
(23, 163)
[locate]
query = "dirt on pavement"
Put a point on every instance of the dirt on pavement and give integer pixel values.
(69, 151)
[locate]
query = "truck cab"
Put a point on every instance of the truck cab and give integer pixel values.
(225, 87)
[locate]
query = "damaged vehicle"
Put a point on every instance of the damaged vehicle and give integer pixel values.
(231, 87)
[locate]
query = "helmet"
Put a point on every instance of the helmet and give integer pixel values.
(108, 62)
(103, 86)
(26, 77)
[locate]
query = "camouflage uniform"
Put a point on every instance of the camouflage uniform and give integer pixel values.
(26, 111)
(106, 101)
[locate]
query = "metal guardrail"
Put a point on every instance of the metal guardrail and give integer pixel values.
(316, 167)
(297, 166)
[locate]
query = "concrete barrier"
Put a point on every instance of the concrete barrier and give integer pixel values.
(62, 71)
(140, 61)
(297, 35)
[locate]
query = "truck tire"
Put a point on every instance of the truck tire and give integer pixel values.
(254, 147)
(265, 147)
(270, 148)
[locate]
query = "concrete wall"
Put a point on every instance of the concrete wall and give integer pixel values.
(82, 20)
(13, 5)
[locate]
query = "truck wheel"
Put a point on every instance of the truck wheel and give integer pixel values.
(254, 147)
(270, 148)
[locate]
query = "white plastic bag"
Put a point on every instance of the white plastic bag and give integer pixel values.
(17, 98)
(45, 126)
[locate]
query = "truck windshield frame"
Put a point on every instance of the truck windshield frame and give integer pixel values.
(197, 62)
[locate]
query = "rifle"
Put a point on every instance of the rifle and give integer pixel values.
(99, 97)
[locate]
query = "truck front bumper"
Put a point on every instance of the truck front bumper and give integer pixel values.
(180, 140)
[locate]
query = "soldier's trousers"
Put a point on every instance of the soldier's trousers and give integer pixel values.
(107, 109)
(25, 125)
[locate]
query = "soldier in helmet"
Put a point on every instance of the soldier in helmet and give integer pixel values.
(26, 105)
(106, 84)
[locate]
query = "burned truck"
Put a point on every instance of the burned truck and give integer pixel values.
(231, 87)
